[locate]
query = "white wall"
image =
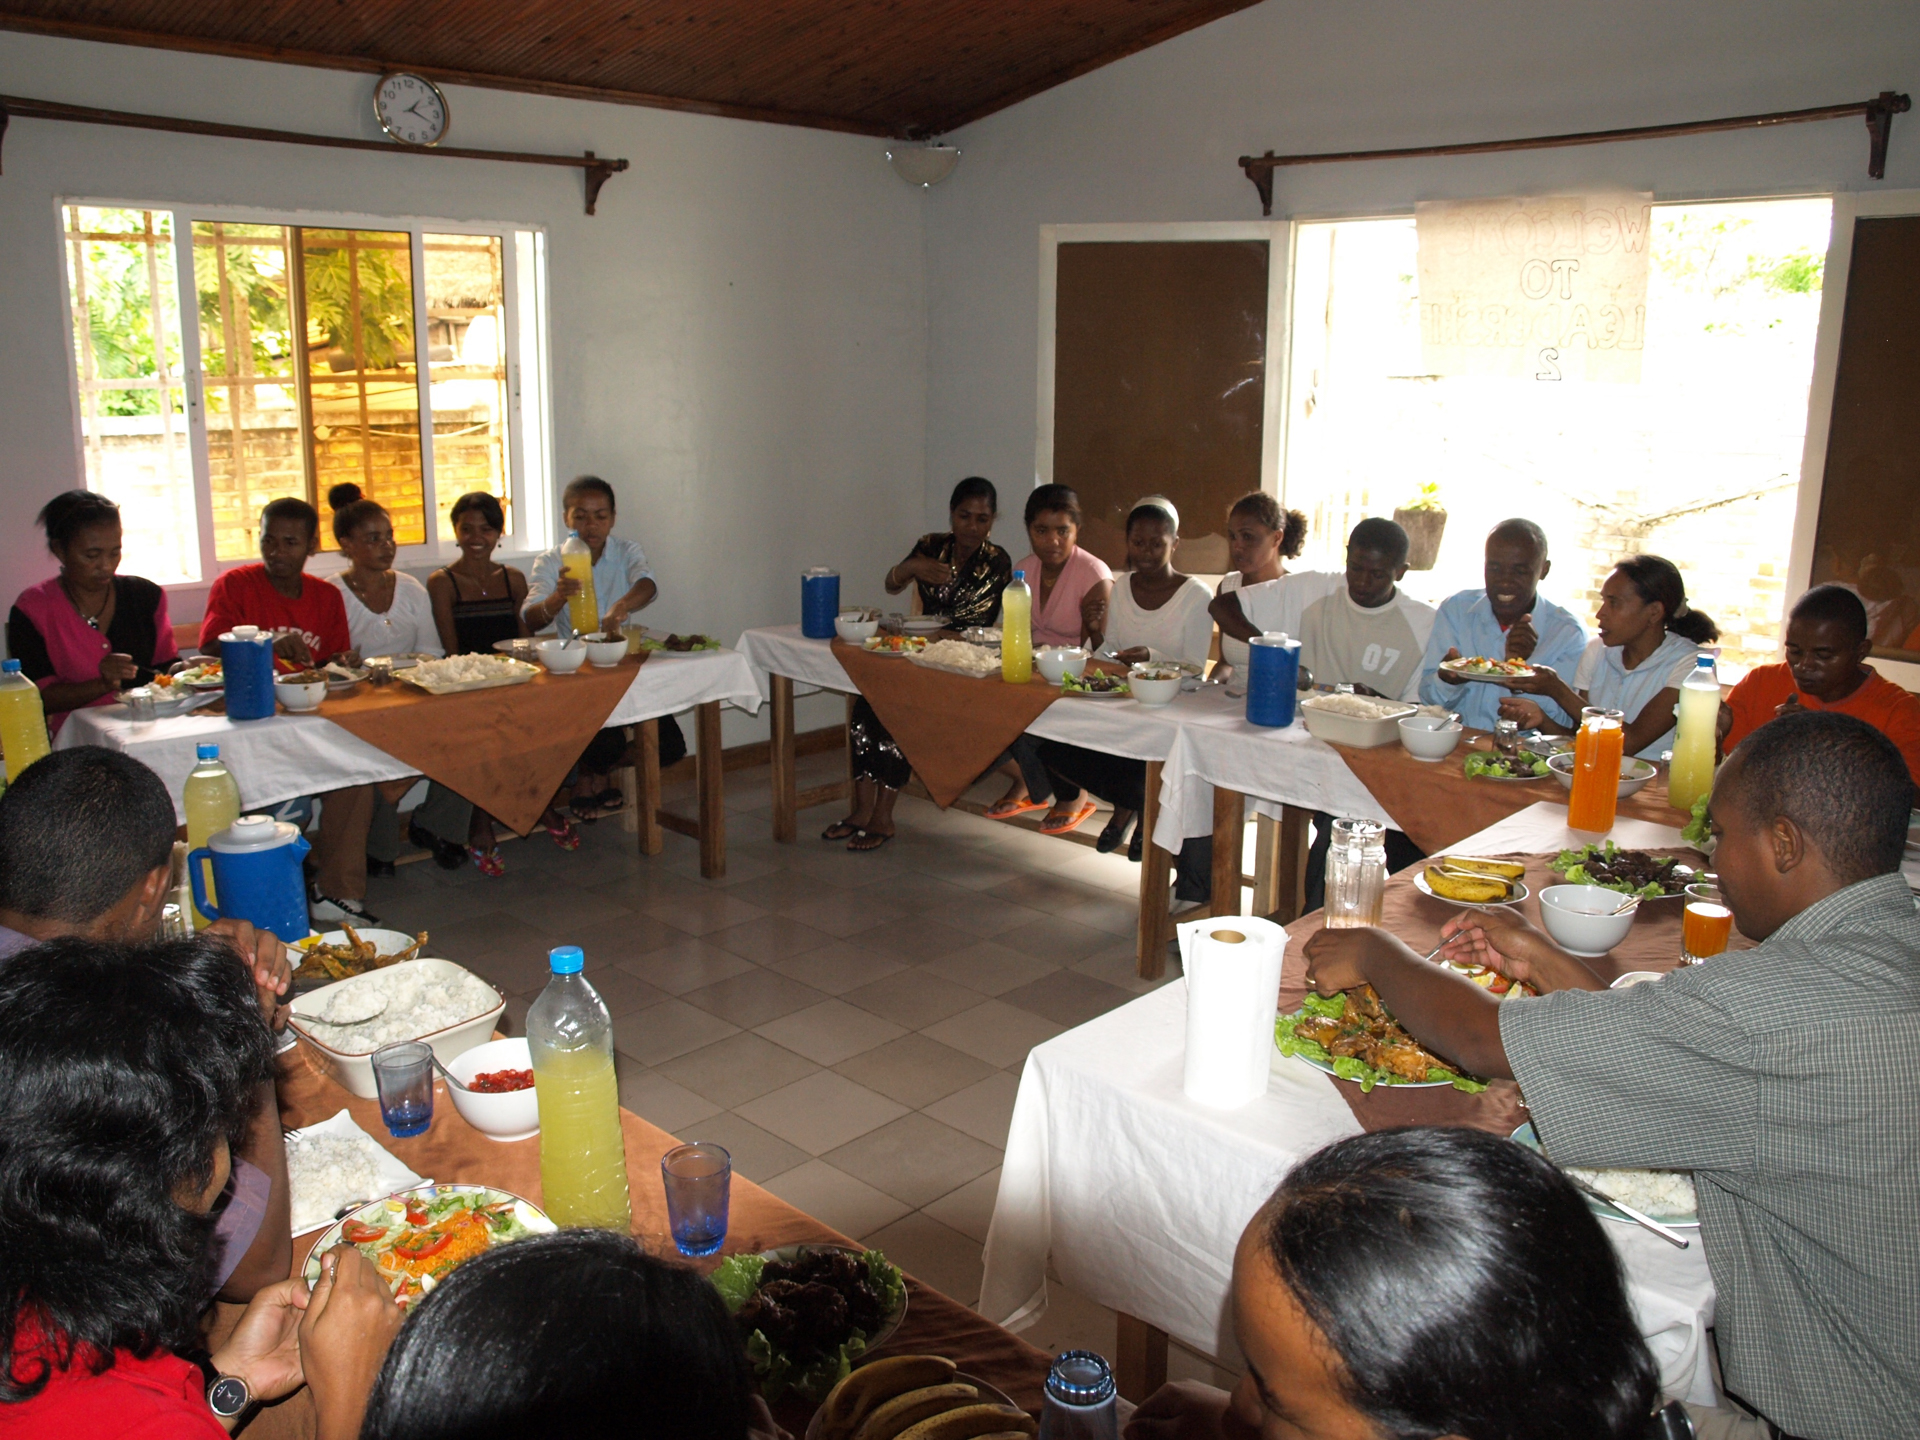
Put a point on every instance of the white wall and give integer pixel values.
(739, 338)
(1155, 137)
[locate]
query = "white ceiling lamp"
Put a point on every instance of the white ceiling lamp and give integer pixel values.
(923, 165)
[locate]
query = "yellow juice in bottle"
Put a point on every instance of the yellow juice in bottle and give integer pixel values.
(576, 562)
(583, 1161)
(23, 721)
(212, 801)
(1016, 631)
(1691, 774)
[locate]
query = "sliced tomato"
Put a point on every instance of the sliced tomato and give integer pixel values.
(416, 1214)
(419, 1247)
(355, 1233)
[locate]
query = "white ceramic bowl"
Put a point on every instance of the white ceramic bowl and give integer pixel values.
(1634, 772)
(1058, 661)
(384, 942)
(562, 657)
(605, 652)
(850, 627)
(1150, 692)
(355, 1072)
(512, 1116)
(1429, 737)
(1634, 977)
(1577, 919)
(300, 698)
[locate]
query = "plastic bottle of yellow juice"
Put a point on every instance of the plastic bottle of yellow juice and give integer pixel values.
(576, 562)
(212, 800)
(1691, 774)
(23, 720)
(583, 1160)
(1016, 631)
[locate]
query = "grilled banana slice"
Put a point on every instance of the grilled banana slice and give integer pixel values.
(1500, 869)
(888, 1420)
(1460, 885)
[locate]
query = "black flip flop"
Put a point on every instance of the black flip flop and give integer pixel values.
(839, 830)
(874, 835)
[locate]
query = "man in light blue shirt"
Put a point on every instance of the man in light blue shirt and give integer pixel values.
(1509, 619)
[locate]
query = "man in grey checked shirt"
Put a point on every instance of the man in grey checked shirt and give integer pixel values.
(1786, 1077)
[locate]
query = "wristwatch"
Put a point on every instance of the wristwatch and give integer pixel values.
(228, 1396)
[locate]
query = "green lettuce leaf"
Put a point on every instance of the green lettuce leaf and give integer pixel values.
(736, 1278)
(1698, 829)
(1329, 1007)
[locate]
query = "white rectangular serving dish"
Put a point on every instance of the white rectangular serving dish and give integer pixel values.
(1337, 729)
(356, 1071)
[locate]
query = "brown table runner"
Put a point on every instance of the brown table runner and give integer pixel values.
(505, 749)
(1652, 944)
(1437, 805)
(452, 1151)
(950, 727)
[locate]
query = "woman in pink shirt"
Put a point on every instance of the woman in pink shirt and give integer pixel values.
(1070, 587)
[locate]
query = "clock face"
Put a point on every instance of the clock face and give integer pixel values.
(411, 110)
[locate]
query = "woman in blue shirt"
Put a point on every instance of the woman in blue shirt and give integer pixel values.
(1649, 638)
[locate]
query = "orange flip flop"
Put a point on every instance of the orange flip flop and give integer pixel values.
(1081, 814)
(1006, 810)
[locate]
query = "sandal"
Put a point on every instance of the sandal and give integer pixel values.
(488, 860)
(1007, 809)
(859, 844)
(840, 830)
(608, 801)
(564, 834)
(584, 807)
(1081, 814)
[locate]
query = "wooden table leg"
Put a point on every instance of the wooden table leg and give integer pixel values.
(1229, 835)
(786, 827)
(710, 779)
(647, 781)
(1266, 865)
(1291, 871)
(1140, 1358)
(1150, 951)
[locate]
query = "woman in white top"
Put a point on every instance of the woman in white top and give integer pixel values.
(1649, 639)
(1261, 538)
(1156, 613)
(388, 613)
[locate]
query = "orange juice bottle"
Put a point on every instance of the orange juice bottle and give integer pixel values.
(1596, 770)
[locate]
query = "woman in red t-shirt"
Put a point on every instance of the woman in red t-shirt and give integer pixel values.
(126, 1074)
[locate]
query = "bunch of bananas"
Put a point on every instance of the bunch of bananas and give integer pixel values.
(916, 1397)
(1472, 879)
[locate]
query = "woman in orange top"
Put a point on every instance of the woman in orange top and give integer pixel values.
(1825, 669)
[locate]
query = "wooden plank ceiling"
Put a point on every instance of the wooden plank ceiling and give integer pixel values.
(884, 67)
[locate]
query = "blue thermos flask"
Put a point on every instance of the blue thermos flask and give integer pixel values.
(1273, 677)
(819, 602)
(257, 875)
(246, 668)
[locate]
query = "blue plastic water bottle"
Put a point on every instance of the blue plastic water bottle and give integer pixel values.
(1273, 678)
(819, 602)
(1079, 1403)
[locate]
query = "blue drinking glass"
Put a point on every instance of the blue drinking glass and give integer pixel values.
(403, 1074)
(699, 1183)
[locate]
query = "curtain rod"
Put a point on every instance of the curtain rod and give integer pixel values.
(1878, 112)
(597, 170)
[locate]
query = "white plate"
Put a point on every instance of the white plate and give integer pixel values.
(1527, 1136)
(1461, 677)
(520, 674)
(1519, 886)
(924, 624)
(390, 1173)
(662, 653)
(886, 651)
(169, 701)
(528, 1213)
(1326, 1068)
(926, 664)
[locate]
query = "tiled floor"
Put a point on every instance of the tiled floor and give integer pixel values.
(851, 1027)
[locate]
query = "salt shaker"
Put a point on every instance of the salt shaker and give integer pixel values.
(1506, 736)
(1080, 1403)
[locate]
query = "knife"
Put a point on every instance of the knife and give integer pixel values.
(1665, 1232)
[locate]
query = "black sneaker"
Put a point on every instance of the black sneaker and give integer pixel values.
(446, 854)
(332, 912)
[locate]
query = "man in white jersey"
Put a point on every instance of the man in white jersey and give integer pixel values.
(1369, 634)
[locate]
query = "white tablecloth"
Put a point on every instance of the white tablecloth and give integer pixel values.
(1202, 739)
(285, 755)
(1138, 1196)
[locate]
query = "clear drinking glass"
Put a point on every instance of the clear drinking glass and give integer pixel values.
(404, 1075)
(1356, 873)
(1705, 925)
(142, 706)
(699, 1182)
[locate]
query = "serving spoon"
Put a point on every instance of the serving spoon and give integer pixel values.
(314, 1017)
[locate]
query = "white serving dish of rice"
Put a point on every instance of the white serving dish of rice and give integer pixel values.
(1666, 1195)
(1362, 721)
(336, 1164)
(437, 1001)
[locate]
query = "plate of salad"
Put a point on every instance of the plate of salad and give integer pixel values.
(417, 1237)
(1481, 667)
(1095, 685)
(808, 1314)
(1521, 765)
(1631, 872)
(1352, 1036)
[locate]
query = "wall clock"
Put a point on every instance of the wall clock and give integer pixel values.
(411, 109)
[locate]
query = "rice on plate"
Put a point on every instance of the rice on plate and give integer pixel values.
(420, 1001)
(1652, 1192)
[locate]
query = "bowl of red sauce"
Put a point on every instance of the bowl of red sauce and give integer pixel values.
(499, 1100)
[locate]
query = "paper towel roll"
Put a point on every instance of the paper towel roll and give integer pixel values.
(1233, 993)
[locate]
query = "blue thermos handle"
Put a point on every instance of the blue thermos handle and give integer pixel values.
(197, 860)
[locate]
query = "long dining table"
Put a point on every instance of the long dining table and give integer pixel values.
(1136, 1196)
(288, 755)
(453, 1152)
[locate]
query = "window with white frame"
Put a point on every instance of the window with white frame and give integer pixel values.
(407, 357)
